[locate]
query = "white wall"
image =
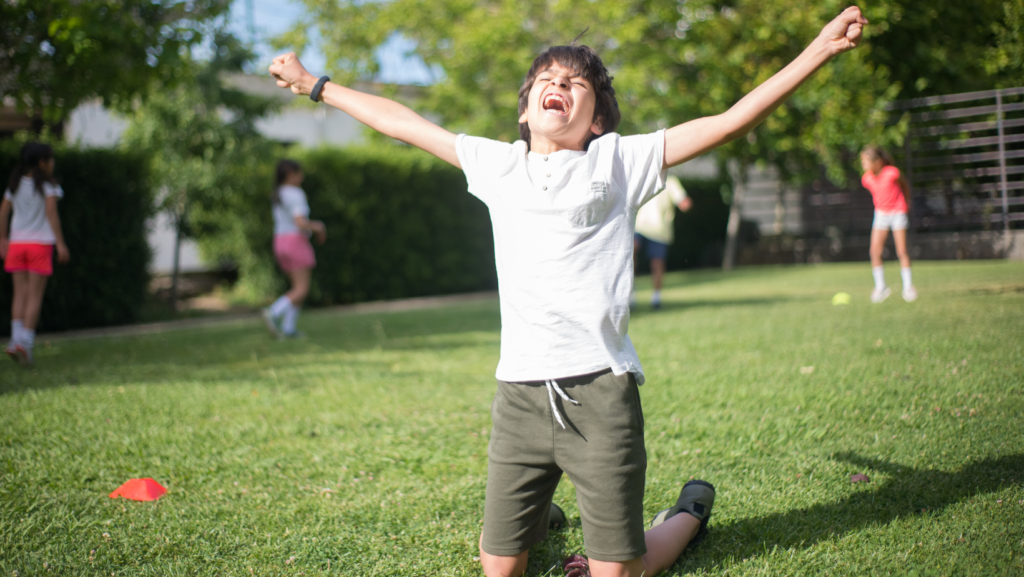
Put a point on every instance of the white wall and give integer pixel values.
(161, 239)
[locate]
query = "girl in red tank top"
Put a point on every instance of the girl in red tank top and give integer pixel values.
(889, 192)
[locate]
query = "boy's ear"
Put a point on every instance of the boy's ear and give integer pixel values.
(597, 127)
(522, 117)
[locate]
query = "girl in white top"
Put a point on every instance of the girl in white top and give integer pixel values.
(294, 254)
(27, 245)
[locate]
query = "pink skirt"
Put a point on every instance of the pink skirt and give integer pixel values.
(293, 252)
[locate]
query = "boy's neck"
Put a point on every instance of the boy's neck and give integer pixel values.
(542, 145)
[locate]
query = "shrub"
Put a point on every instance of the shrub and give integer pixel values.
(399, 224)
(699, 232)
(103, 215)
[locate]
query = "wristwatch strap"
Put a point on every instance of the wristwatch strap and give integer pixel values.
(314, 94)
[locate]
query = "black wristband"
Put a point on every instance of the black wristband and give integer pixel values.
(314, 94)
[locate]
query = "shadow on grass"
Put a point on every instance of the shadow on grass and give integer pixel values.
(907, 492)
(226, 354)
(644, 309)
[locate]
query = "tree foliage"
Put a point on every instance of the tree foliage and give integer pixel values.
(675, 60)
(1005, 60)
(198, 137)
(56, 53)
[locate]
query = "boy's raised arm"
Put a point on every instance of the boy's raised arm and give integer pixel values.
(381, 114)
(692, 139)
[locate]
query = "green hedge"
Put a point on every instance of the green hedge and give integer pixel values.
(399, 224)
(699, 232)
(103, 215)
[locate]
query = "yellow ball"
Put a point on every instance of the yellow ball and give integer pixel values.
(841, 299)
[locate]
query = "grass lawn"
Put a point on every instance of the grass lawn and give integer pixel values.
(362, 450)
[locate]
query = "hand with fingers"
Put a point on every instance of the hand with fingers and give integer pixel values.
(290, 73)
(844, 33)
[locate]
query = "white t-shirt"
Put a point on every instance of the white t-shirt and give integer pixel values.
(29, 224)
(656, 218)
(292, 203)
(563, 244)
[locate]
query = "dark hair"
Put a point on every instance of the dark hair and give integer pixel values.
(285, 168)
(582, 60)
(878, 153)
(28, 163)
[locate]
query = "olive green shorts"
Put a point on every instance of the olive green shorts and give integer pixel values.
(601, 449)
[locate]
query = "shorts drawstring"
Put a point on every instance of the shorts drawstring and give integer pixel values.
(553, 386)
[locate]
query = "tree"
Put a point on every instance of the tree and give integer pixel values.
(1005, 60)
(196, 135)
(674, 61)
(57, 53)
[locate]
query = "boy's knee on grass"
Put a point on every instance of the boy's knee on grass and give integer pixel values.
(501, 565)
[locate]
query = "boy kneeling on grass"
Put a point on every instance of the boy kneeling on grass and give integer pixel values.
(563, 202)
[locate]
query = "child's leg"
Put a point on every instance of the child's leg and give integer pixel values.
(665, 543)
(20, 301)
(36, 286)
(657, 272)
(900, 238)
(502, 565)
(300, 279)
(878, 236)
(521, 477)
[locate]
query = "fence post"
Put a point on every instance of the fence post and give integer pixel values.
(1002, 164)
(908, 155)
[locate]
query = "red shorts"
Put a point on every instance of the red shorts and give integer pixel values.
(33, 258)
(293, 252)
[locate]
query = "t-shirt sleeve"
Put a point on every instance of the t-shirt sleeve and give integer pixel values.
(482, 161)
(294, 201)
(53, 190)
(642, 157)
(890, 174)
(8, 195)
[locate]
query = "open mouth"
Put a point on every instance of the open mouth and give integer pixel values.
(556, 103)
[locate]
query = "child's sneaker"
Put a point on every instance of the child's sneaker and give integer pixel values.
(12, 351)
(909, 294)
(268, 318)
(24, 356)
(879, 295)
(576, 566)
(556, 518)
(696, 498)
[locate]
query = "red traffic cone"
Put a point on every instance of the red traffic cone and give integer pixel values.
(139, 490)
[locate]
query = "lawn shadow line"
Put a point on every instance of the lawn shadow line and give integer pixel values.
(906, 492)
(644, 309)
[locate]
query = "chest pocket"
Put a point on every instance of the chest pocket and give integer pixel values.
(589, 203)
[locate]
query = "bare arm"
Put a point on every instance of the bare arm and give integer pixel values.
(906, 192)
(63, 255)
(692, 139)
(381, 114)
(5, 219)
(313, 226)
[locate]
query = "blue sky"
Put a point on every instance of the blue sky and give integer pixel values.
(275, 16)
